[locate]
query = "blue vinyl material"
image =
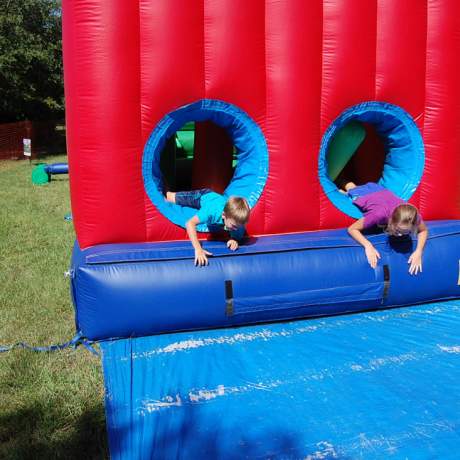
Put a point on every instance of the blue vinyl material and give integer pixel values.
(251, 170)
(57, 168)
(380, 385)
(125, 290)
(404, 148)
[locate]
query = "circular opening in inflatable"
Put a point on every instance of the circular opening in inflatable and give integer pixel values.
(251, 171)
(371, 142)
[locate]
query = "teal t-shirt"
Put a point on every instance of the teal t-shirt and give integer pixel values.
(210, 213)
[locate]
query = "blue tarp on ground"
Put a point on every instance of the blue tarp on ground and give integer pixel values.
(377, 385)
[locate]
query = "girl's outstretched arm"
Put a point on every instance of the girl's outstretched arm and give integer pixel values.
(355, 230)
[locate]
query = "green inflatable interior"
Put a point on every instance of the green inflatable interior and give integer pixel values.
(343, 146)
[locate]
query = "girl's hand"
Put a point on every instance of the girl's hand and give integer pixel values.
(415, 261)
(372, 255)
(200, 257)
(232, 245)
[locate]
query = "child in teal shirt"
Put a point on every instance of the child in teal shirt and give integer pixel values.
(216, 212)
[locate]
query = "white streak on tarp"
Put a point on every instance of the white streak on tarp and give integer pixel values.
(313, 326)
(454, 349)
(150, 405)
(190, 344)
(325, 451)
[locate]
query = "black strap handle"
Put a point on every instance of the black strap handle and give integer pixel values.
(228, 297)
(386, 281)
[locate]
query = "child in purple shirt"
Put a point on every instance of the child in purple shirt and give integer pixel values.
(383, 208)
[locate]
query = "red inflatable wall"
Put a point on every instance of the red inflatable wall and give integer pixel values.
(292, 66)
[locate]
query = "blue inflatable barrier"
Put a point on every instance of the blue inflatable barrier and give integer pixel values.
(127, 290)
(57, 168)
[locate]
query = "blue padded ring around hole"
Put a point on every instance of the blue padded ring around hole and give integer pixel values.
(404, 151)
(251, 170)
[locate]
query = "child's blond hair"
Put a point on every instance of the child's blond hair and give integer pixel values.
(404, 217)
(237, 209)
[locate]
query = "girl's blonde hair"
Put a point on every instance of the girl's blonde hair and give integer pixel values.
(403, 220)
(237, 208)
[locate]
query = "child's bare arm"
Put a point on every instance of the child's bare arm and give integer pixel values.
(422, 236)
(415, 260)
(200, 253)
(355, 230)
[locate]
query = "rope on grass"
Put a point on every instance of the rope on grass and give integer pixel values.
(78, 339)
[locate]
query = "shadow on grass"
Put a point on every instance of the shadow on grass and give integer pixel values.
(27, 434)
(35, 427)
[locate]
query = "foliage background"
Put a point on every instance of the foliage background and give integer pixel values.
(31, 82)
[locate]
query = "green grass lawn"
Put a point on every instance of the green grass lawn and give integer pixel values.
(51, 404)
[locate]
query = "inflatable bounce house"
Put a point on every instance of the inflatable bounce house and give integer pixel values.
(269, 100)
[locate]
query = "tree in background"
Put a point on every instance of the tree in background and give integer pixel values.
(31, 83)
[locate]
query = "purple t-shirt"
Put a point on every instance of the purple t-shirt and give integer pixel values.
(377, 207)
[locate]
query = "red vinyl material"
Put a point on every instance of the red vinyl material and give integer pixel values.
(292, 66)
